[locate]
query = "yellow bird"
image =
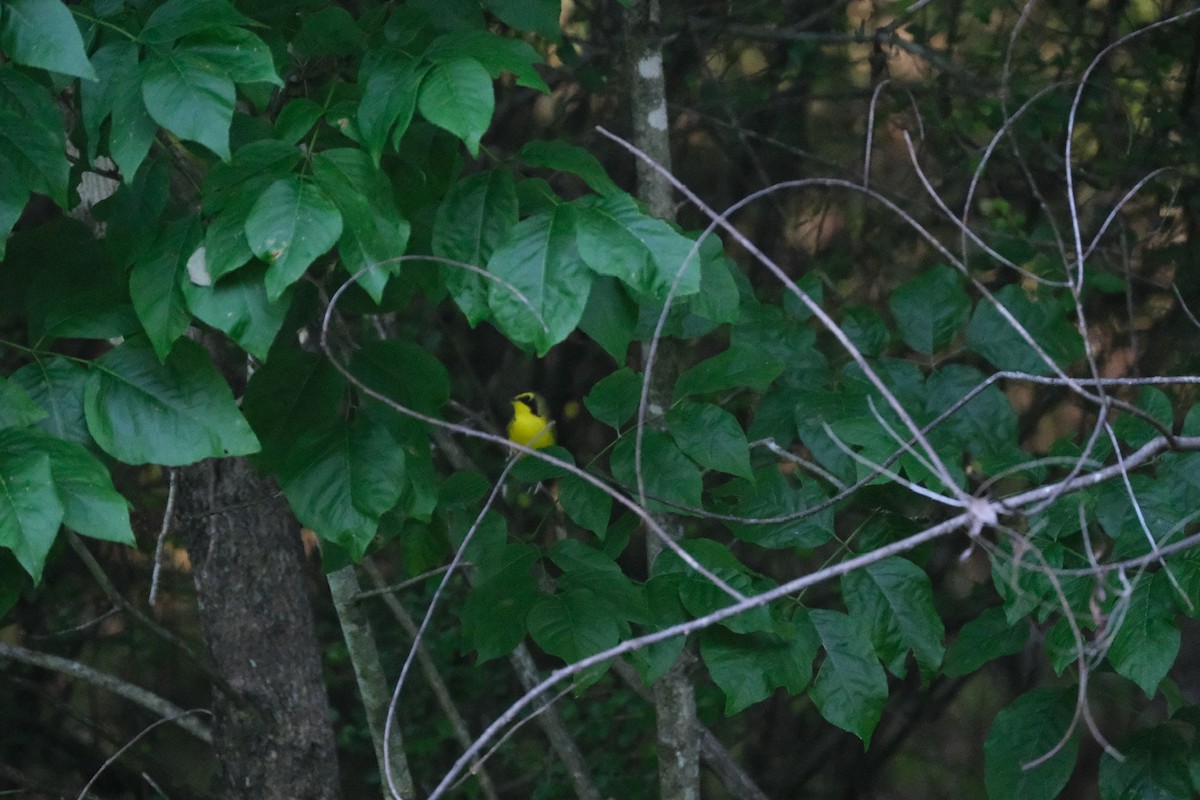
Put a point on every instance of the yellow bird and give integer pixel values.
(531, 424)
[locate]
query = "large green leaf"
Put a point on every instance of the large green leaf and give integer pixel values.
(290, 225)
(1148, 641)
(617, 238)
(930, 309)
(458, 97)
(375, 233)
(56, 384)
(895, 599)
(851, 688)
(156, 285)
(539, 259)
(17, 410)
(496, 53)
(984, 638)
(670, 476)
(585, 567)
(91, 505)
(283, 398)
(748, 668)
(1031, 727)
(340, 477)
(565, 157)
(738, 366)
(177, 18)
(235, 52)
(772, 495)
(1042, 315)
(186, 94)
(701, 596)
(42, 34)
(476, 216)
(493, 616)
(32, 141)
(710, 436)
(390, 88)
(537, 16)
(1154, 767)
(117, 95)
(173, 413)
(239, 306)
(30, 508)
(614, 399)
(573, 624)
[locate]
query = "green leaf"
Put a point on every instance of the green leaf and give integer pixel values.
(283, 398)
(238, 306)
(772, 494)
(238, 53)
(711, 437)
(540, 260)
(496, 53)
(296, 119)
(1135, 431)
(614, 399)
(32, 141)
(91, 505)
(457, 96)
(573, 624)
(493, 616)
(1147, 643)
(737, 367)
(930, 309)
(42, 34)
(407, 374)
(185, 94)
(563, 157)
(1030, 728)
(390, 88)
(588, 568)
(700, 596)
(84, 295)
(537, 16)
(156, 285)
(984, 638)
(476, 216)
(851, 688)
(375, 232)
(748, 668)
(610, 317)
(990, 335)
(670, 476)
(617, 238)
(14, 194)
(17, 410)
(340, 477)
(178, 412)
(587, 506)
(1155, 767)
(866, 330)
(117, 94)
(57, 385)
(290, 225)
(177, 18)
(30, 508)
(895, 599)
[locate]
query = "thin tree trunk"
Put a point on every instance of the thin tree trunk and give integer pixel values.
(272, 740)
(674, 699)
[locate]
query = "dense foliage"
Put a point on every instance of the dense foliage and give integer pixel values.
(934, 449)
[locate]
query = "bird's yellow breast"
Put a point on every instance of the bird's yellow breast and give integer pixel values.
(531, 424)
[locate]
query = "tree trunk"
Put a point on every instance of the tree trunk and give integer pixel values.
(273, 740)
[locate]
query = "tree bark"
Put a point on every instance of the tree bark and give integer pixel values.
(674, 699)
(272, 740)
